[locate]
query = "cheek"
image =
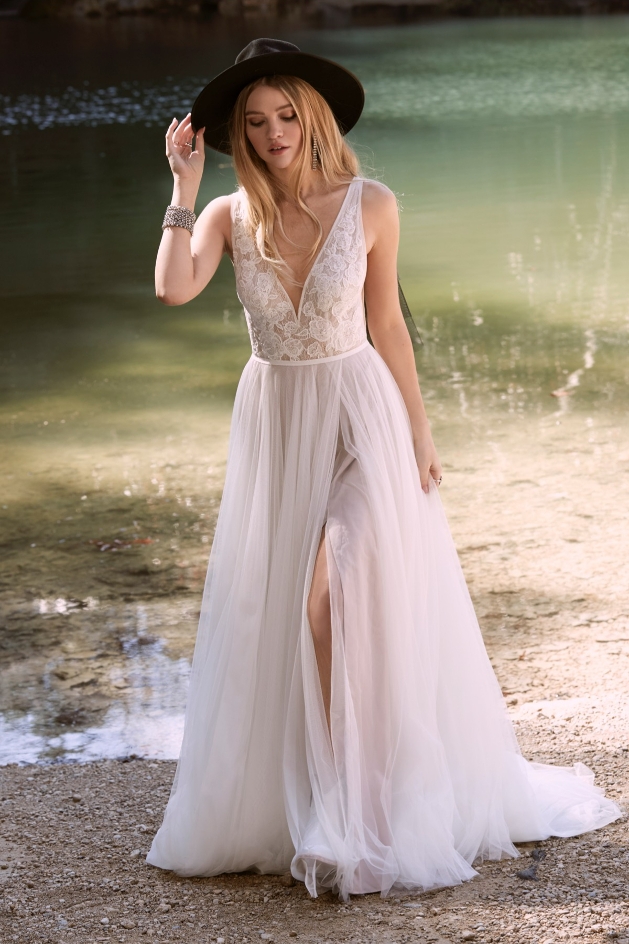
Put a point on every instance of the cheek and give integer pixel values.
(255, 137)
(296, 135)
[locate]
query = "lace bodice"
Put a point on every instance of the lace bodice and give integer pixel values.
(330, 319)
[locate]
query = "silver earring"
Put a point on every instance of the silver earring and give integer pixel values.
(315, 152)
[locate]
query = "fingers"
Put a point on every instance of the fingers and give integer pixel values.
(200, 142)
(169, 134)
(424, 477)
(180, 134)
(436, 473)
(428, 475)
(184, 131)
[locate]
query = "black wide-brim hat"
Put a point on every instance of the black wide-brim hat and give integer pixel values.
(214, 104)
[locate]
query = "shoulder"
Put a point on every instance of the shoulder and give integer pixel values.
(216, 217)
(378, 197)
(219, 209)
(380, 214)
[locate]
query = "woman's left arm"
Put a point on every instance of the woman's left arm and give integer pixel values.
(386, 322)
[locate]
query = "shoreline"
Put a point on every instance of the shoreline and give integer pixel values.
(311, 13)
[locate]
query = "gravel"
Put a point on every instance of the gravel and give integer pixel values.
(76, 872)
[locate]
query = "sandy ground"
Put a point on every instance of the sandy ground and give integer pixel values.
(542, 532)
(75, 836)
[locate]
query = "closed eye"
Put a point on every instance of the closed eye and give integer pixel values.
(258, 124)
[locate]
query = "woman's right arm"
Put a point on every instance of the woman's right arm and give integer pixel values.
(186, 263)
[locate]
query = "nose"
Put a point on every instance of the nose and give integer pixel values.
(274, 129)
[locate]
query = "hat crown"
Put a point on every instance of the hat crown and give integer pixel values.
(264, 47)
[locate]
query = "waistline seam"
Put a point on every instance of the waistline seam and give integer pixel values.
(314, 360)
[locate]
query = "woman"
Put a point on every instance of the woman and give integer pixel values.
(343, 719)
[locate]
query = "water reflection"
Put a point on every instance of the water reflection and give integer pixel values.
(504, 142)
(112, 688)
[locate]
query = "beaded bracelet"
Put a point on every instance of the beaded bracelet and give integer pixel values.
(179, 216)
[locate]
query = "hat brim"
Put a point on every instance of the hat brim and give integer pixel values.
(339, 87)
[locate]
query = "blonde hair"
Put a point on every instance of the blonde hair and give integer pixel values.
(338, 164)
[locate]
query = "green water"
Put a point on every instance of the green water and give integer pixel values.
(506, 144)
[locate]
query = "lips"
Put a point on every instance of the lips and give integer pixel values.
(278, 150)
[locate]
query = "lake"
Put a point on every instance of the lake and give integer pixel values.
(506, 144)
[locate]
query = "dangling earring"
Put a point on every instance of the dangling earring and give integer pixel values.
(315, 152)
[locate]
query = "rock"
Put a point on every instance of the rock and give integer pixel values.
(76, 798)
(104, 921)
(134, 854)
(163, 907)
(287, 880)
(292, 933)
(468, 936)
(127, 924)
(62, 923)
(530, 874)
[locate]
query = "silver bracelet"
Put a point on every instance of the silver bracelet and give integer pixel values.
(179, 216)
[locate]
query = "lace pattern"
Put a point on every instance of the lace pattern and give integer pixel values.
(330, 319)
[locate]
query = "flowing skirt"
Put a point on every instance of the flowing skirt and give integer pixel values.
(419, 773)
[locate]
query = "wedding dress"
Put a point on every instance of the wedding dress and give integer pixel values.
(419, 773)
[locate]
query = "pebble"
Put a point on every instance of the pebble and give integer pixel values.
(134, 854)
(468, 936)
(127, 924)
(104, 921)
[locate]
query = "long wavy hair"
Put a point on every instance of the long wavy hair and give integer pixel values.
(338, 163)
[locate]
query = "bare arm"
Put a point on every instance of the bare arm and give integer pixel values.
(386, 322)
(186, 263)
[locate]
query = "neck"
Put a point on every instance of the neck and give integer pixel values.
(312, 183)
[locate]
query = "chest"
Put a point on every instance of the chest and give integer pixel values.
(332, 278)
(296, 233)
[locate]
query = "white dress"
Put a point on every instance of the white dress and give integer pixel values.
(421, 773)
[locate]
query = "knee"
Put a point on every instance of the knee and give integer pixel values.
(319, 612)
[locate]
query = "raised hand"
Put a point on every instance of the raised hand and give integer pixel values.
(185, 162)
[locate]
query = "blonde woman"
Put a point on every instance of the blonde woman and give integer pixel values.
(343, 719)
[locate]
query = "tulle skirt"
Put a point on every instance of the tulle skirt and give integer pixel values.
(419, 773)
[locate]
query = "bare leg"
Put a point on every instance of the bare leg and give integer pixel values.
(320, 619)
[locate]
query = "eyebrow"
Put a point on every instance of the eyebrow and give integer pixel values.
(287, 105)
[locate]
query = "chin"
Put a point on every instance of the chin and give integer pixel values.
(279, 165)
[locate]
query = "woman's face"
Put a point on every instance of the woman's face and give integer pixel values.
(273, 128)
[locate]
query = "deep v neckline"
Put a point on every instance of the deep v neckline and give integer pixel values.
(297, 311)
